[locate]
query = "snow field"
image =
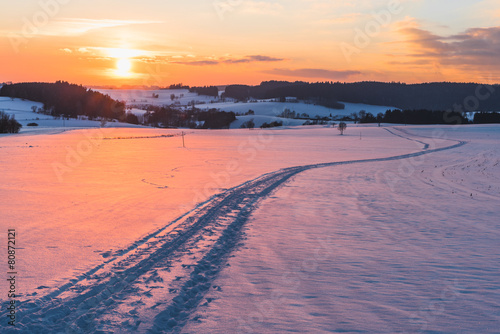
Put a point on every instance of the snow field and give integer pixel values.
(140, 97)
(345, 249)
(100, 233)
(87, 186)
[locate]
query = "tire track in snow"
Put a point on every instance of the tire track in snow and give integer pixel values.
(76, 307)
(426, 145)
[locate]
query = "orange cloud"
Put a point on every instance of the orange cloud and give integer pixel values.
(475, 50)
(247, 59)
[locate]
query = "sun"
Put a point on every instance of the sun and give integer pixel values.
(123, 67)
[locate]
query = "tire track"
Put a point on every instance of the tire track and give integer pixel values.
(78, 306)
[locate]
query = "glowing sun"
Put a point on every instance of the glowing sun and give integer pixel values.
(123, 67)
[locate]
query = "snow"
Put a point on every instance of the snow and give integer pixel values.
(21, 109)
(265, 110)
(275, 108)
(389, 229)
(341, 249)
(143, 97)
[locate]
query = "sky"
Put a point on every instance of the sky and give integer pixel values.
(217, 42)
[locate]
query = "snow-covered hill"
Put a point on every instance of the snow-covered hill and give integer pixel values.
(264, 111)
(141, 97)
(22, 111)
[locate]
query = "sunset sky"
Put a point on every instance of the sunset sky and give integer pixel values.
(202, 42)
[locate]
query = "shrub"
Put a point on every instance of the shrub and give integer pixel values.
(8, 123)
(271, 125)
(132, 119)
(248, 124)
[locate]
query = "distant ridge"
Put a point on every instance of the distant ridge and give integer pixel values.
(460, 97)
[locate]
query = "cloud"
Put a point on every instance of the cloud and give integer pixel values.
(246, 59)
(138, 54)
(264, 58)
(198, 62)
(314, 73)
(250, 59)
(166, 57)
(473, 48)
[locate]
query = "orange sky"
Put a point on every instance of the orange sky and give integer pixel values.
(157, 43)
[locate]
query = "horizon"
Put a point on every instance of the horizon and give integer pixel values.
(225, 42)
(166, 87)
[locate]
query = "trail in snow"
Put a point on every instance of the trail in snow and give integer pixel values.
(154, 285)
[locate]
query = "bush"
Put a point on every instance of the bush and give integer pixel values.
(131, 119)
(8, 123)
(248, 124)
(32, 124)
(271, 125)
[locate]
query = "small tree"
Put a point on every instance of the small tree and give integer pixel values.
(172, 97)
(342, 126)
(380, 118)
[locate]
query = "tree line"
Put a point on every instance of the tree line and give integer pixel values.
(205, 90)
(64, 99)
(459, 97)
(168, 116)
(70, 100)
(426, 117)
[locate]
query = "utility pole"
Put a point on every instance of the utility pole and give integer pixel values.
(182, 134)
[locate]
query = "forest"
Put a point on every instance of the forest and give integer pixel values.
(65, 99)
(206, 90)
(426, 117)
(459, 97)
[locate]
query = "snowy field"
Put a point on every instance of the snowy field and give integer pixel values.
(139, 96)
(407, 246)
(382, 230)
(266, 111)
(267, 108)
